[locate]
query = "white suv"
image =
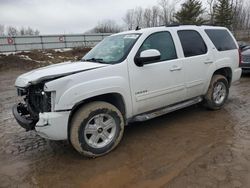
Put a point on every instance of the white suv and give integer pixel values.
(130, 76)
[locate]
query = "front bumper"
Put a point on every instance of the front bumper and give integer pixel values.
(23, 117)
(50, 125)
(53, 125)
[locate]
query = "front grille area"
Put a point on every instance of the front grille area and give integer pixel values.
(37, 100)
(40, 101)
(246, 58)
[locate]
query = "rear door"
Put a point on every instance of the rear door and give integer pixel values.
(196, 61)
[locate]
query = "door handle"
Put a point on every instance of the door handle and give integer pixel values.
(208, 62)
(175, 68)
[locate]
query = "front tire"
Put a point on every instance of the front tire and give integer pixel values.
(217, 93)
(96, 129)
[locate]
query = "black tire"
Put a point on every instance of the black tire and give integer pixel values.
(82, 120)
(210, 101)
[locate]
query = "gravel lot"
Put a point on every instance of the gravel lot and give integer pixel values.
(192, 147)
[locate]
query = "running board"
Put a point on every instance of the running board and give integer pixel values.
(166, 110)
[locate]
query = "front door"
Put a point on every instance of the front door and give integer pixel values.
(158, 83)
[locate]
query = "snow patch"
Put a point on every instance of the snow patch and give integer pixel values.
(25, 57)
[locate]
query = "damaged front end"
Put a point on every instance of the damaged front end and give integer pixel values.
(35, 101)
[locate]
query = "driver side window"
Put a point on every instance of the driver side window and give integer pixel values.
(161, 41)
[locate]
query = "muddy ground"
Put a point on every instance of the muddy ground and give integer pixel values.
(192, 147)
(39, 58)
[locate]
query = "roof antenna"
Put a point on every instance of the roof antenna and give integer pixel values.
(137, 28)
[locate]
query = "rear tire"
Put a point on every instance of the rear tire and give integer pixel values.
(217, 93)
(96, 129)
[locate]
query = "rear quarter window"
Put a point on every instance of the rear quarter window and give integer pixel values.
(221, 39)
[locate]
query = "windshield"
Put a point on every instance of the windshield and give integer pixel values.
(113, 49)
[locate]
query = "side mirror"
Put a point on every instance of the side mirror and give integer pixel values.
(147, 56)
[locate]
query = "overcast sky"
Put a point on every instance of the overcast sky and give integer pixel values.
(65, 16)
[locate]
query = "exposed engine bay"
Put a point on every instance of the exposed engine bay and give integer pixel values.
(35, 101)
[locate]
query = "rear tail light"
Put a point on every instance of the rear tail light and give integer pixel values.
(240, 57)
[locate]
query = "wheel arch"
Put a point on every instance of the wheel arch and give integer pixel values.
(115, 99)
(225, 71)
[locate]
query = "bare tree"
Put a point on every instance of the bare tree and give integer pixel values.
(107, 26)
(211, 6)
(247, 17)
(1, 30)
(155, 16)
(28, 31)
(22, 31)
(129, 19)
(12, 31)
(241, 15)
(36, 32)
(138, 16)
(159, 14)
(147, 17)
(164, 6)
(167, 8)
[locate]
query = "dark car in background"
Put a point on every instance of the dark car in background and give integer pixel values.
(245, 52)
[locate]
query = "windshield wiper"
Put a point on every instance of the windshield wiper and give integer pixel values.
(98, 60)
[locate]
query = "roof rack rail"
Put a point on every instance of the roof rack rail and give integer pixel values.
(206, 25)
(173, 25)
(176, 24)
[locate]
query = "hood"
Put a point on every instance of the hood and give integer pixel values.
(55, 71)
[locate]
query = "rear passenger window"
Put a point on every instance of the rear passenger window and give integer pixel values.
(163, 42)
(221, 39)
(192, 43)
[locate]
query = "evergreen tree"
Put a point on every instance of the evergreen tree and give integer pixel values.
(223, 13)
(190, 13)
